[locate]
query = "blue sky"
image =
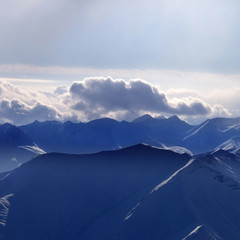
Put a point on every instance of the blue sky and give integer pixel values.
(189, 50)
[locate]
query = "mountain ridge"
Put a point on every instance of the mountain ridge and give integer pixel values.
(109, 134)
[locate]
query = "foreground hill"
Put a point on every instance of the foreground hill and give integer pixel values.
(64, 196)
(138, 193)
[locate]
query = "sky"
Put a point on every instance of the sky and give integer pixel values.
(80, 60)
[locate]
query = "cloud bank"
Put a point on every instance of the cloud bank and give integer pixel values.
(19, 106)
(97, 97)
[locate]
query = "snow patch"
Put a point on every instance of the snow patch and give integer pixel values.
(14, 159)
(172, 176)
(193, 232)
(34, 149)
(4, 208)
(131, 212)
(202, 233)
(197, 130)
(180, 150)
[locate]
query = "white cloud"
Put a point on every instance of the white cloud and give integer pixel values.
(165, 79)
(103, 96)
(19, 106)
(97, 97)
(18, 112)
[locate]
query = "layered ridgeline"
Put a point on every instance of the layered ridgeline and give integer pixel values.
(135, 193)
(108, 134)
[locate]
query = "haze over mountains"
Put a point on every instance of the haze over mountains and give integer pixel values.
(107, 134)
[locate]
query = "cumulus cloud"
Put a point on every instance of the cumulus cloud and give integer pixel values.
(97, 96)
(20, 107)
(18, 112)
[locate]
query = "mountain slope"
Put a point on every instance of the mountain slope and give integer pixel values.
(210, 134)
(202, 233)
(64, 196)
(138, 193)
(204, 192)
(105, 134)
(11, 155)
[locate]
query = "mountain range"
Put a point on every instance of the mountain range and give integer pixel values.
(21, 143)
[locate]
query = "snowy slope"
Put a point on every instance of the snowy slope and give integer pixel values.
(65, 196)
(202, 233)
(206, 192)
(210, 134)
(232, 145)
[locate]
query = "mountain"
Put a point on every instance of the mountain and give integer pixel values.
(11, 154)
(138, 193)
(199, 201)
(21, 143)
(66, 196)
(105, 134)
(232, 145)
(210, 134)
(109, 134)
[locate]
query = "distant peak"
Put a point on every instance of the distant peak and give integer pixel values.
(7, 125)
(174, 117)
(143, 118)
(103, 120)
(36, 122)
(68, 122)
(220, 152)
(146, 148)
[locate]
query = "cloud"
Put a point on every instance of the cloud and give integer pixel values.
(61, 90)
(18, 112)
(98, 96)
(21, 106)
